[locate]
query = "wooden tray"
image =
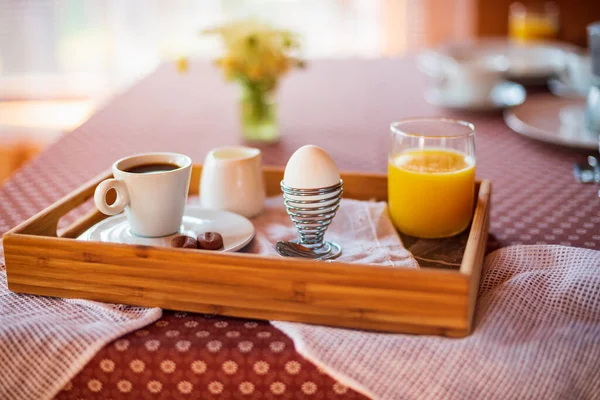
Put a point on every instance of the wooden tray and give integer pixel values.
(42, 260)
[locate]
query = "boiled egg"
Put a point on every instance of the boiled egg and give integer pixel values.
(311, 167)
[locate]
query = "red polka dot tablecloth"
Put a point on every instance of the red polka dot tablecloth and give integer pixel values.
(188, 354)
(343, 106)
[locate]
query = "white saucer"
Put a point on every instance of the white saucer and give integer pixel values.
(554, 120)
(505, 94)
(237, 231)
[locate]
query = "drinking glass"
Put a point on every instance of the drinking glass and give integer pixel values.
(431, 176)
(533, 22)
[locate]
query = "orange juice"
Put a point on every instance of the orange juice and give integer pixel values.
(532, 27)
(431, 191)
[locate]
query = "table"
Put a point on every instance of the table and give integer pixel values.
(344, 106)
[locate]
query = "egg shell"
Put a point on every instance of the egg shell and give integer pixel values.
(311, 167)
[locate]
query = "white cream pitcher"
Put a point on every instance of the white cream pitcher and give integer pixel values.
(232, 180)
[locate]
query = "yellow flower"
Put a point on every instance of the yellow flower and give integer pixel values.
(255, 73)
(229, 63)
(182, 64)
(283, 64)
(256, 52)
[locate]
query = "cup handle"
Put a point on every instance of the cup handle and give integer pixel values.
(100, 196)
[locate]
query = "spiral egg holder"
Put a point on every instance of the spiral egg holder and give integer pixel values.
(311, 211)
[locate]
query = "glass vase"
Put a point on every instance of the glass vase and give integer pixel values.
(258, 115)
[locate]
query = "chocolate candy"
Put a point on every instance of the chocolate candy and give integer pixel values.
(185, 242)
(210, 241)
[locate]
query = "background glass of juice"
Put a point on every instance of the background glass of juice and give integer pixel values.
(533, 22)
(431, 176)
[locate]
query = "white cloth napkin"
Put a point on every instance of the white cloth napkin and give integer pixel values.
(537, 336)
(45, 341)
(362, 228)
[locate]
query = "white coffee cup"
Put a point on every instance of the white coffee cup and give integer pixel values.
(471, 80)
(232, 180)
(154, 202)
(577, 72)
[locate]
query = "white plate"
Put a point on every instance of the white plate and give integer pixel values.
(553, 120)
(505, 94)
(237, 231)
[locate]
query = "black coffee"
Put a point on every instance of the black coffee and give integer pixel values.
(152, 168)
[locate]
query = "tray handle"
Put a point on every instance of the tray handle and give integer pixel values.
(45, 223)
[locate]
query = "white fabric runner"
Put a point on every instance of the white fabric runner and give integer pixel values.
(537, 336)
(46, 341)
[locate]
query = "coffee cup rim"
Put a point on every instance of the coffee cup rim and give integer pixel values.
(169, 157)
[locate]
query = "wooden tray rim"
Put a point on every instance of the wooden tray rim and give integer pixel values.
(463, 282)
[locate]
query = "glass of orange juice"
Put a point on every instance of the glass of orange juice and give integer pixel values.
(431, 176)
(533, 22)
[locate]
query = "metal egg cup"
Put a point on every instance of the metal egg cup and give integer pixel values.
(311, 211)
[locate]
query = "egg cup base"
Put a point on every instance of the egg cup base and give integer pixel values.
(294, 248)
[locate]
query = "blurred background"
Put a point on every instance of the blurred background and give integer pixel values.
(60, 60)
